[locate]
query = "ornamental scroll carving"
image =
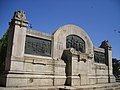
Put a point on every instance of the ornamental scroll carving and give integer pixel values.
(74, 41)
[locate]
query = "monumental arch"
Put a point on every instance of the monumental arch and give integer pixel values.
(67, 57)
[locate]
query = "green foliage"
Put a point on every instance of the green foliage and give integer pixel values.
(3, 50)
(116, 67)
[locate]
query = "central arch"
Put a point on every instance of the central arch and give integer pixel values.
(59, 39)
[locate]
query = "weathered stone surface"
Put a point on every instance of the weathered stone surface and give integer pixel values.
(71, 60)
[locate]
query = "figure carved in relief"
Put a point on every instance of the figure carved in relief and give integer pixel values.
(75, 42)
(19, 15)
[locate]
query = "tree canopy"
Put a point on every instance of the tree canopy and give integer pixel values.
(116, 67)
(3, 50)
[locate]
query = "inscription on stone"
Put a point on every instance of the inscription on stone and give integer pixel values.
(37, 46)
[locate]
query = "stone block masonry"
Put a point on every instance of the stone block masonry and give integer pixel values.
(67, 57)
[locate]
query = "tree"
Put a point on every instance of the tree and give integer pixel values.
(3, 50)
(116, 67)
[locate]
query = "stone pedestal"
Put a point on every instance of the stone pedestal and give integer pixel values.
(74, 73)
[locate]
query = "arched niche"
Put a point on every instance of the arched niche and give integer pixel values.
(74, 41)
(59, 39)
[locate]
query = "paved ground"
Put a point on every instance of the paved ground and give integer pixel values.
(110, 86)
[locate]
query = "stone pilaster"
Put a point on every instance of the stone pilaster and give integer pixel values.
(108, 57)
(14, 63)
(16, 43)
(76, 67)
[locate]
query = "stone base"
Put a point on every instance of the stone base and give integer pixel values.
(31, 79)
(59, 80)
(101, 79)
(73, 81)
(26, 80)
(112, 79)
(109, 86)
(20, 80)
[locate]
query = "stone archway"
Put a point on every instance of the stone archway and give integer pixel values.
(59, 39)
(76, 59)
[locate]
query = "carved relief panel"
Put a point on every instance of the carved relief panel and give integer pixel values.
(37, 46)
(99, 57)
(74, 41)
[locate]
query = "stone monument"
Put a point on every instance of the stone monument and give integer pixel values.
(67, 57)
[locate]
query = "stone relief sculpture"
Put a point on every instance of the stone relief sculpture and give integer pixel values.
(99, 57)
(105, 44)
(19, 15)
(75, 42)
(37, 46)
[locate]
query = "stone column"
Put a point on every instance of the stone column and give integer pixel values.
(108, 57)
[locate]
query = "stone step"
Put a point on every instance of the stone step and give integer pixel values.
(110, 86)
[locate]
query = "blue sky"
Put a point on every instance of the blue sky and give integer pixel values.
(99, 18)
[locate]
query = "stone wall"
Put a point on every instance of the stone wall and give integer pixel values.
(38, 59)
